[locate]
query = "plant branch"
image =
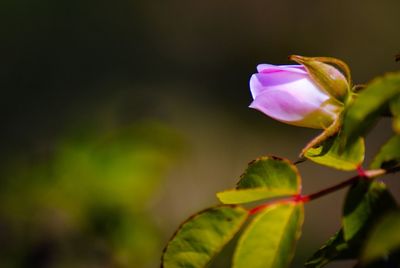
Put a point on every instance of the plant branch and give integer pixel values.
(364, 175)
(300, 160)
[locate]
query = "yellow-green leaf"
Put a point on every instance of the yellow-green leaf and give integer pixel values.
(368, 105)
(365, 202)
(383, 239)
(389, 154)
(395, 109)
(240, 196)
(270, 239)
(265, 177)
(329, 154)
(202, 236)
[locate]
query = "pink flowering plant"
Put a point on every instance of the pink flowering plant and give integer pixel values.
(288, 94)
(267, 204)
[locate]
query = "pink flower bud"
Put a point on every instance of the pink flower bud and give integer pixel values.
(288, 94)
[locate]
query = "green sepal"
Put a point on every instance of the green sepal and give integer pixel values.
(326, 76)
(328, 133)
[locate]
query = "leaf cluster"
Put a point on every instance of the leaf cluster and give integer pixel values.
(269, 232)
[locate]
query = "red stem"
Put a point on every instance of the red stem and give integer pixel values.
(332, 189)
(362, 175)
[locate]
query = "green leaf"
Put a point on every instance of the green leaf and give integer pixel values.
(270, 172)
(395, 109)
(329, 154)
(370, 103)
(383, 239)
(396, 124)
(335, 248)
(249, 195)
(265, 177)
(270, 239)
(365, 202)
(391, 260)
(389, 154)
(202, 236)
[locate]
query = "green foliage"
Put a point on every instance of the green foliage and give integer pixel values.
(240, 196)
(276, 228)
(383, 239)
(202, 236)
(389, 154)
(329, 154)
(365, 202)
(335, 248)
(88, 199)
(369, 105)
(270, 239)
(265, 177)
(395, 109)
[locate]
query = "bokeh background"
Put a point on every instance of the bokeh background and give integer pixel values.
(119, 119)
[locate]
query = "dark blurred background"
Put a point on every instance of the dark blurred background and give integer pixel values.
(119, 119)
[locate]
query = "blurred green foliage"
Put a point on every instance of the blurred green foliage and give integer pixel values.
(88, 204)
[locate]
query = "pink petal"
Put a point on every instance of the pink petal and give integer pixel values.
(293, 102)
(281, 106)
(268, 68)
(261, 82)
